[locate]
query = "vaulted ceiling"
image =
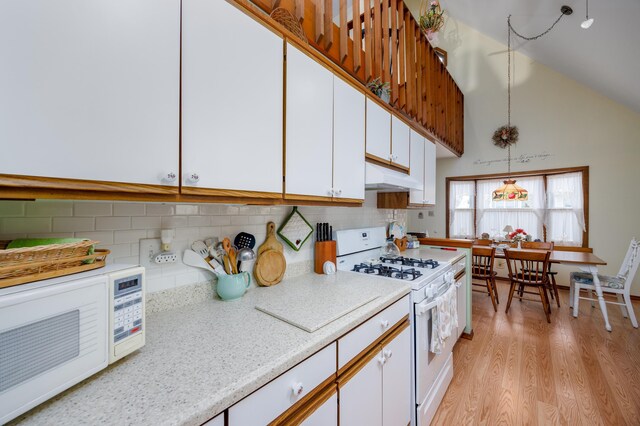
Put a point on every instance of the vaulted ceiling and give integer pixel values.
(605, 57)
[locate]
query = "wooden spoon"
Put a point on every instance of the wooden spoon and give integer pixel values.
(231, 255)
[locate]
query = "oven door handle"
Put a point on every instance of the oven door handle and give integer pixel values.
(424, 307)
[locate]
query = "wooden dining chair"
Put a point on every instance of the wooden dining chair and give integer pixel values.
(540, 245)
(536, 264)
(482, 242)
(482, 269)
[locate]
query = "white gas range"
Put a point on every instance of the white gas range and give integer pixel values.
(360, 251)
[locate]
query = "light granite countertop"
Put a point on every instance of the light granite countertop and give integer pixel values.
(202, 358)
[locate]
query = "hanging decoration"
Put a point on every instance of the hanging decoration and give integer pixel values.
(431, 19)
(505, 136)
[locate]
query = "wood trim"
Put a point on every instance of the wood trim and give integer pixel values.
(544, 173)
(302, 197)
(348, 200)
(28, 183)
(447, 242)
(306, 406)
(467, 336)
(356, 364)
(214, 192)
(369, 158)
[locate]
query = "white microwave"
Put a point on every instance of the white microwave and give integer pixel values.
(55, 333)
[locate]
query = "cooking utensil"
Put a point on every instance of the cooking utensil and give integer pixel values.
(271, 264)
(200, 248)
(191, 258)
(244, 240)
(231, 255)
(245, 255)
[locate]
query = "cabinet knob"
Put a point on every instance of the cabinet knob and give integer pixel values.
(169, 177)
(331, 191)
(297, 389)
(387, 353)
(384, 324)
(338, 192)
(382, 360)
(193, 178)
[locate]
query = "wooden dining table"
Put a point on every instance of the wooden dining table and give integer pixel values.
(587, 262)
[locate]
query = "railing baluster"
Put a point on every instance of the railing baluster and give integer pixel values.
(394, 50)
(300, 10)
(344, 31)
(328, 24)
(411, 60)
(418, 76)
(386, 53)
(402, 62)
(319, 20)
(368, 42)
(357, 36)
(377, 40)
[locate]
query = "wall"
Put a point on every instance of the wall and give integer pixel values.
(119, 227)
(562, 124)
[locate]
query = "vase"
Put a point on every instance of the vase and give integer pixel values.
(519, 244)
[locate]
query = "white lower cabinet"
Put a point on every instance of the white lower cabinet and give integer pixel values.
(277, 396)
(216, 421)
(379, 393)
(325, 415)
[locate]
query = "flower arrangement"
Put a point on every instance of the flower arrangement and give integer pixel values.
(379, 88)
(519, 235)
(431, 18)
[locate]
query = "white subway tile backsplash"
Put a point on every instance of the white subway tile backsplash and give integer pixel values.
(113, 223)
(12, 208)
(83, 208)
(26, 225)
(46, 208)
(129, 209)
(131, 236)
(120, 225)
(73, 224)
(160, 210)
(153, 222)
(186, 209)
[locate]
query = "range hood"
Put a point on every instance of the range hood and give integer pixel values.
(382, 179)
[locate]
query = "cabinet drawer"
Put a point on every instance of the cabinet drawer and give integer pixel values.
(357, 340)
(267, 403)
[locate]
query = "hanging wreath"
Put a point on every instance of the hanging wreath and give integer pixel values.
(505, 136)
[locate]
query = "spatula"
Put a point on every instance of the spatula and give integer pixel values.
(200, 248)
(191, 258)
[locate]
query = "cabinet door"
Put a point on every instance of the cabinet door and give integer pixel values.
(309, 134)
(361, 396)
(348, 140)
(416, 166)
(429, 172)
(325, 415)
(231, 101)
(399, 142)
(216, 421)
(90, 89)
(396, 381)
(378, 131)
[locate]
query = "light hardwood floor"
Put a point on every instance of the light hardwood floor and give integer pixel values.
(519, 370)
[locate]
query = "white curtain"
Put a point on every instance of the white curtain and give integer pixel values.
(565, 209)
(461, 205)
(493, 216)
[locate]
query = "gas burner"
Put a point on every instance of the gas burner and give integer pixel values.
(388, 271)
(409, 261)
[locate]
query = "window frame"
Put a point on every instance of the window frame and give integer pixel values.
(544, 173)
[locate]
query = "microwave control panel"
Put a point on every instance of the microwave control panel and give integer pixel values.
(127, 314)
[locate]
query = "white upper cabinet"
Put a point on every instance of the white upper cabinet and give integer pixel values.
(232, 82)
(309, 126)
(348, 140)
(417, 166)
(429, 172)
(378, 131)
(90, 89)
(399, 142)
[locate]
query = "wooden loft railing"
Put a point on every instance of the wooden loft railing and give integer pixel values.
(383, 40)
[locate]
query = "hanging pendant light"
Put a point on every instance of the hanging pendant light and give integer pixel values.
(509, 191)
(587, 22)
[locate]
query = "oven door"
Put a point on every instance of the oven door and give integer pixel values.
(51, 338)
(428, 365)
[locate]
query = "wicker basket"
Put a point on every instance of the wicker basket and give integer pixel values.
(28, 264)
(287, 20)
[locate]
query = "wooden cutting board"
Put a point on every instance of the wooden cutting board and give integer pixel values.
(270, 264)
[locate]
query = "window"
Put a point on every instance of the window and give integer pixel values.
(555, 210)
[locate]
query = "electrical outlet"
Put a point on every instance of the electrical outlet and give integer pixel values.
(149, 247)
(165, 257)
(431, 213)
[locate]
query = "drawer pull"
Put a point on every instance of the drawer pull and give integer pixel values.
(297, 389)
(384, 324)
